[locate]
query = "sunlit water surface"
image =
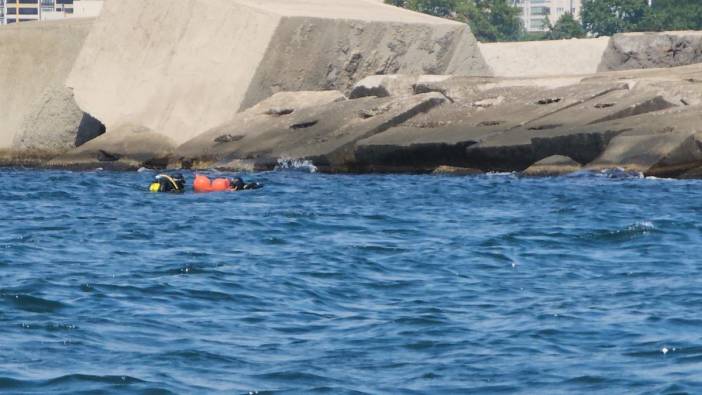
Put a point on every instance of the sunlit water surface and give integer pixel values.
(350, 284)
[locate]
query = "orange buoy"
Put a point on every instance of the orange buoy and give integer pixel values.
(203, 184)
(221, 185)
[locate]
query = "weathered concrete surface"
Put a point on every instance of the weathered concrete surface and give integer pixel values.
(495, 116)
(555, 165)
(627, 51)
(325, 134)
(508, 125)
(663, 144)
(383, 86)
(55, 125)
(181, 67)
(544, 58)
(35, 59)
(127, 147)
(631, 51)
(211, 147)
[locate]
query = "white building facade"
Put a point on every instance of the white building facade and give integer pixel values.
(535, 12)
(15, 11)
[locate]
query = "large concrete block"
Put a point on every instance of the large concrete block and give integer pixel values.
(35, 59)
(181, 67)
(544, 58)
(55, 125)
(631, 51)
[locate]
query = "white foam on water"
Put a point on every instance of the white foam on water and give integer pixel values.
(288, 164)
(643, 225)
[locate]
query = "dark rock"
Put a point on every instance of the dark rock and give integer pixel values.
(104, 156)
(227, 138)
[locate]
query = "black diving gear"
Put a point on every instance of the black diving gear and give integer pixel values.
(237, 184)
(168, 183)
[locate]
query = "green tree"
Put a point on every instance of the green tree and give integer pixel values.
(676, 15)
(608, 17)
(494, 20)
(566, 27)
(442, 8)
(490, 20)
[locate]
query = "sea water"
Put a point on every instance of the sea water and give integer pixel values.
(373, 284)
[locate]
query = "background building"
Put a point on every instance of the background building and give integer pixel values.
(13, 11)
(21, 11)
(535, 12)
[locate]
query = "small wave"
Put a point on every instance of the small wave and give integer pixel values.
(32, 304)
(68, 381)
(7, 383)
(73, 378)
(285, 164)
(615, 173)
(588, 379)
(501, 174)
(638, 229)
(294, 376)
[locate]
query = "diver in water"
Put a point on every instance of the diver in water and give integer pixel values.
(168, 183)
(204, 184)
(176, 184)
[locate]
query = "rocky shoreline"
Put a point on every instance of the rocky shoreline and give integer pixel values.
(645, 121)
(388, 91)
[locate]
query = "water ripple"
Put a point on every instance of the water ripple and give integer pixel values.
(350, 285)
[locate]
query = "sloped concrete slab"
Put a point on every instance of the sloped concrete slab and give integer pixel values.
(128, 147)
(664, 144)
(325, 135)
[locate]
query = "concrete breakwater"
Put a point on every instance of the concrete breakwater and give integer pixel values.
(241, 84)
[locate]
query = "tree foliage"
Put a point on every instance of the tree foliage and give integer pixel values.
(566, 27)
(499, 20)
(607, 17)
(490, 20)
(676, 15)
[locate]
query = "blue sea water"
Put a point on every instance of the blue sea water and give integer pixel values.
(374, 284)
